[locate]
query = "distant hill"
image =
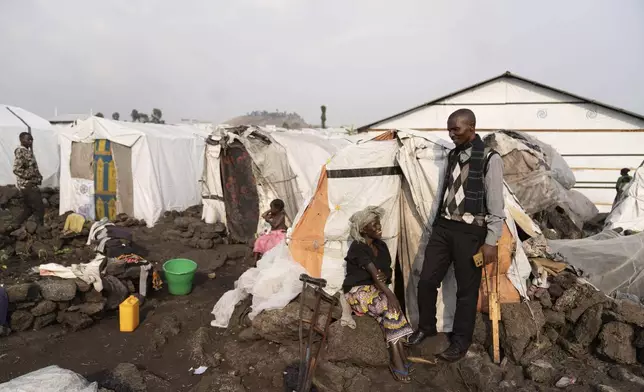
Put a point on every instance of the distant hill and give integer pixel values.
(263, 118)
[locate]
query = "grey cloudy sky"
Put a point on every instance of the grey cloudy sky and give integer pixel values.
(365, 60)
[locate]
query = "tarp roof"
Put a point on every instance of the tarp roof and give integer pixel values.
(510, 75)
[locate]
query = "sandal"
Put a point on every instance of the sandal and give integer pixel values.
(401, 376)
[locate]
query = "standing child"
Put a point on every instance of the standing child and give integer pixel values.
(276, 217)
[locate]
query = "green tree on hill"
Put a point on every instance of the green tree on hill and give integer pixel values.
(323, 116)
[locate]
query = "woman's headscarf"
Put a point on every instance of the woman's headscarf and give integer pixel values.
(360, 219)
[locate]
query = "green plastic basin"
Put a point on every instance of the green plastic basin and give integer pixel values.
(179, 273)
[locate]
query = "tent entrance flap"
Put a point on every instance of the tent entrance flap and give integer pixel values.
(104, 180)
(241, 199)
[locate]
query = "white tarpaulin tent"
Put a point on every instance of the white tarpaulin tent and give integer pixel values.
(13, 121)
(401, 175)
(158, 167)
(628, 213)
(285, 165)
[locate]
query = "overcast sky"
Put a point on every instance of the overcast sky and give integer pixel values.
(212, 60)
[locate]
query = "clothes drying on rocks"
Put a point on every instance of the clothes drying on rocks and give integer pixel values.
(90, 272)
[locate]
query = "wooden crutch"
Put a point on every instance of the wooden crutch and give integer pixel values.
(494, 309)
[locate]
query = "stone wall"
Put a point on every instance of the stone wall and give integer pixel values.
(191, 231)
(70, 302)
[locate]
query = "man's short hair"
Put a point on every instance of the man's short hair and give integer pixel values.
(625, 171)
(24, 134)
(466, 114)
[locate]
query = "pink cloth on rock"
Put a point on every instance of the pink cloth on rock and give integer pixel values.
(268, 241)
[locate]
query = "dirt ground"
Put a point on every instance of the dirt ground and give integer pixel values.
(101, 347)
(175, 335)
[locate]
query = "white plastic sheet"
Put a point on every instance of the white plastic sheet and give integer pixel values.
(608, 260)
(628, 213)
(273, 284)
(49, 379)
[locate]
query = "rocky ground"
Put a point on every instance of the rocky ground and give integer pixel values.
(568, 334)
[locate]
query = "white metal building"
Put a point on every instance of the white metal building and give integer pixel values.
(596, 139)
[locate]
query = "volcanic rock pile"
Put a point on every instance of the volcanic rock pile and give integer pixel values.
(71, 302)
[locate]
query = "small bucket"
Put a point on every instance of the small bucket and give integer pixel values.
(179, 273)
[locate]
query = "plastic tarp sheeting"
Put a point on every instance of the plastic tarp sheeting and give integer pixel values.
(286, 168)
(608, 260)
(49, 379)
(414, 168)
(214, 209)
(273, 284)
(45, 144)
(167, 163)
(539, 176)
(628, 212)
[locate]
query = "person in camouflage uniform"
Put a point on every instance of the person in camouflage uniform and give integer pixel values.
(29, 179)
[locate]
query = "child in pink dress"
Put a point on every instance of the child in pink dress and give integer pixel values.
(276, 217)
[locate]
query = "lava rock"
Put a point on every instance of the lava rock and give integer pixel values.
(23, 248)
(89, 308)
(41, 322)
(125, 378)
(521, 322)
(82, 286)
(615, 343)
(93, 296)
(184, 222)
(43, 308)
(57, 289)
(115, 290)
(20, 234)
(204, 244)
(363, 346)
(31, 227)
(280, 325)
(22, 292)
(569, 298)
(541, 371)
(589, 325)
(477, 368)
(591, 298)
(630, 312)
(171, 235)
(74, 320)
(556, 319)
(21, 320)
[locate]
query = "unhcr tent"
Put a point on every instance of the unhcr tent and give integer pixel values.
(13, 121)
(248, 167)
(110, 167)
(400, 172)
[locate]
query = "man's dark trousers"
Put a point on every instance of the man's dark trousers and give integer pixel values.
(32, 200)
(457, 242)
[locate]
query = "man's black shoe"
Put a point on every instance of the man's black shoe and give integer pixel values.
(417, 337)
(453, 353)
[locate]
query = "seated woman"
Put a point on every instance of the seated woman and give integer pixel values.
(276, 217)
(368, 273)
